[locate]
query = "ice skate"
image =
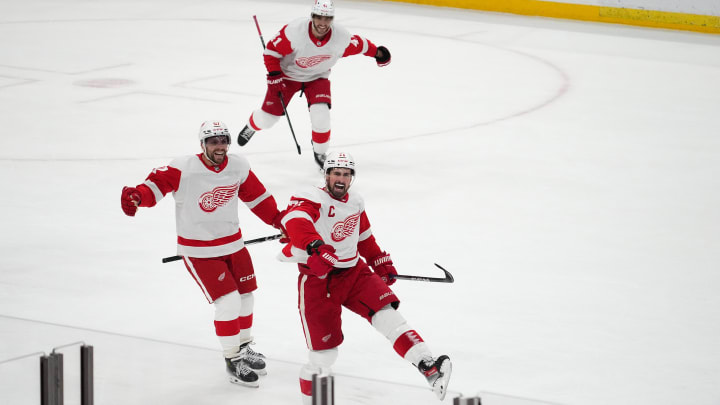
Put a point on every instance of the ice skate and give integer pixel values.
(239, 373)
(245, 135)
(252, 359)
(437, 372)
(320, 159)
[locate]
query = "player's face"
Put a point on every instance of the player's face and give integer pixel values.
(216, 148)
(321, 25)
(338, 181)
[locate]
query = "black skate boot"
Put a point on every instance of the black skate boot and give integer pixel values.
(252, 359)
(239, 373)
(245, 135)
(320, 159)
(437, 372)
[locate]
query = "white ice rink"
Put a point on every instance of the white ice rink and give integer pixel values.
(566, 173)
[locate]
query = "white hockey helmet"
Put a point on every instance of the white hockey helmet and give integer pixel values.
(208, 129)
(339, 159)
(324, 8)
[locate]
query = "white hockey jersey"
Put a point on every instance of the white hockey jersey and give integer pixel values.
(315, 214)
(206, 202)
(304, 58)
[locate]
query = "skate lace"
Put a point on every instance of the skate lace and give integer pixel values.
(241, 368)
(250, 353)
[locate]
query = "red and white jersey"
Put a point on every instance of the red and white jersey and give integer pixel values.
(206, 202)
(303, 58)
(314, 214)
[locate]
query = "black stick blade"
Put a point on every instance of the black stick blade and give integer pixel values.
(447, 279)
(448, 276)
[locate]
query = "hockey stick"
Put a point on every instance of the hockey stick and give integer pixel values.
(447, 279)
(262, 41)
(247, 242)
(282, 103)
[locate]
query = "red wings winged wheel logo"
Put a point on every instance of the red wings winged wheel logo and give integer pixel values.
(218, 197)
(310, 61)
(342, 230)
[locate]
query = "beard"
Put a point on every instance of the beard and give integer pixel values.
(337, 192)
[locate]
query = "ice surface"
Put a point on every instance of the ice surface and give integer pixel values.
(566, 173)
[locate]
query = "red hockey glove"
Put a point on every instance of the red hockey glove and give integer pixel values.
(322, 259)
(275, 83)
(382, 56)
(129, 200)
(383, 267)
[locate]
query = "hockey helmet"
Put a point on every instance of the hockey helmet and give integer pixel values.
(209, 129)
(339, 159)
(323, 8)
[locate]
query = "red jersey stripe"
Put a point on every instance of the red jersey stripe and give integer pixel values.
(215, 242)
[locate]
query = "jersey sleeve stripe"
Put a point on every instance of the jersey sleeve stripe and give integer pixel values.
(254, 203)
(365, 45)
(365, 235)
(296, 214)
(155, 190)
(272, 53)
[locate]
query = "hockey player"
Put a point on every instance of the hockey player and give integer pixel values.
(329, 232)
(206, 188)
(299, 58)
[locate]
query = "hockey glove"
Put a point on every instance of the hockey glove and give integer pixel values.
(382, 56)
(275, 83)
(129, 200)
(383, 266)
(322, 259)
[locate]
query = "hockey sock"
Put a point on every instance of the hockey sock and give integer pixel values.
(320, 123)
(406, 342)
(259, 119)
(247, 303)
(320, 362)
(320, 142)
(231, 322)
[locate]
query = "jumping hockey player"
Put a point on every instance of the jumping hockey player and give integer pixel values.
(299, 58)
(206, 188)
(329, 231)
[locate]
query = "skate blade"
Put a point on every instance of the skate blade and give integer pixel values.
(251, 384)
(441, 384)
